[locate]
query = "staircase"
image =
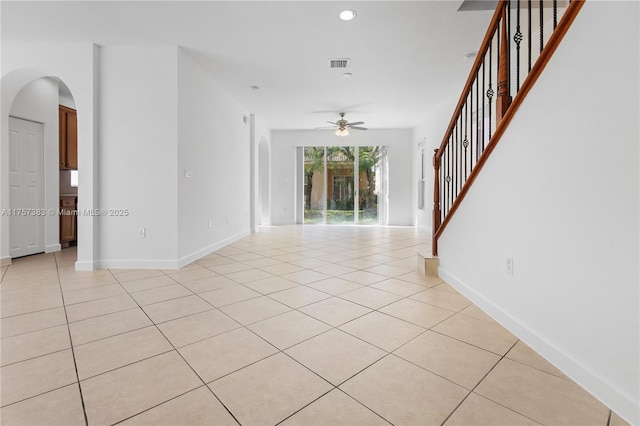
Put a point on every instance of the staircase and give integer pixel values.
(536, 201)
(522, 37)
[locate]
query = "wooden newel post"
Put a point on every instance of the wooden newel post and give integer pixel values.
(436, 202)
(504, 100)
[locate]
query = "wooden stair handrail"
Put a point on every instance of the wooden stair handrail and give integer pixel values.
(484, 47)
(556, 37)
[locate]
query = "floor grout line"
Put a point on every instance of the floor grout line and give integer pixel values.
(309, 244)
(73, 353)
(183, 359)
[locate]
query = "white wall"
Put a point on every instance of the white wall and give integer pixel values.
(38, 101)
(140, 150)
(264, 180)
(76, 66)
(560, 194)
(429, 134)
(138, 155)
(283, 170)
(214, 147)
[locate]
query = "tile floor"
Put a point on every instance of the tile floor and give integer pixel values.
(294, 325)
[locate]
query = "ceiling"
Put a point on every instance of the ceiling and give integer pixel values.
(408, 58)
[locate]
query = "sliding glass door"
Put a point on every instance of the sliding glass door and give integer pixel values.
(314, 187)
(372, 169)
(340, 184)
(344, 185)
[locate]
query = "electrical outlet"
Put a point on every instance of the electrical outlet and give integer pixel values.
(210, 224)
(227, 219)
(142, 232)
(187, 174)
(509, 265)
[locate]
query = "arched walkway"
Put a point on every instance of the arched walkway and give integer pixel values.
(12, 84)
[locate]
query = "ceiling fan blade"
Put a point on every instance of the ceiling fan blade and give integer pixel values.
(357, 128)
(325, 127)
(331, 122)
(356, 123)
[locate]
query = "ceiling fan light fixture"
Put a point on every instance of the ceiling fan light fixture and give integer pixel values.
(342, 132)
(347, 15)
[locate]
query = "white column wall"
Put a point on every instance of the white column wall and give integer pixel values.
(214, 147)
(560, 195)
(138, 155)
(429, 134)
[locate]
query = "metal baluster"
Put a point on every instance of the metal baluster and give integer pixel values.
(460, 180)
(461, 154)
(478, 117)
(508, 41)
(444, 166)
(490, 91)
(529, 38)
(555, 14)
(441, 175)
(497, 37)
(472, 127)
(483, 86)
(449, 172)
(518, 38)
(456, 161)
(450, 181)
(541, 25)
(441, 187)
(445, 182)
(465, 143)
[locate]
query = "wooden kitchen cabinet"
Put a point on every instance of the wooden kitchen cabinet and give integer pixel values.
(68, 144)
(68, 213)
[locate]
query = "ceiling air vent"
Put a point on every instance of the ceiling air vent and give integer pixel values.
(339, 63)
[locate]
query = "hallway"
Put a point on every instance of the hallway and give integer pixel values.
(293, 325)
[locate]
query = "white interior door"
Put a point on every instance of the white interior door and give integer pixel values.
(26, 199)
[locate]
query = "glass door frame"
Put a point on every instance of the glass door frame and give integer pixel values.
(381, 204)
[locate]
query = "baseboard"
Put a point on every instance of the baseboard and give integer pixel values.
(426, 229)
(161, 263)
(5, 261)
(185, 260)
(283, 223)
(85, 265)
(135, 264)
(607, 393)
(51, 248)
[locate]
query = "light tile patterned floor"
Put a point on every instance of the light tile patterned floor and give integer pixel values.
(294, 325)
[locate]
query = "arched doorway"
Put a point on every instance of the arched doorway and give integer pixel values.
(38, 178)
(21, 89)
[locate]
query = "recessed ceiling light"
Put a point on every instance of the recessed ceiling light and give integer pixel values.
(347, 15)
(254, 87)
(347, 75)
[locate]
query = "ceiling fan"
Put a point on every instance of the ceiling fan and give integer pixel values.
(343, 126)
